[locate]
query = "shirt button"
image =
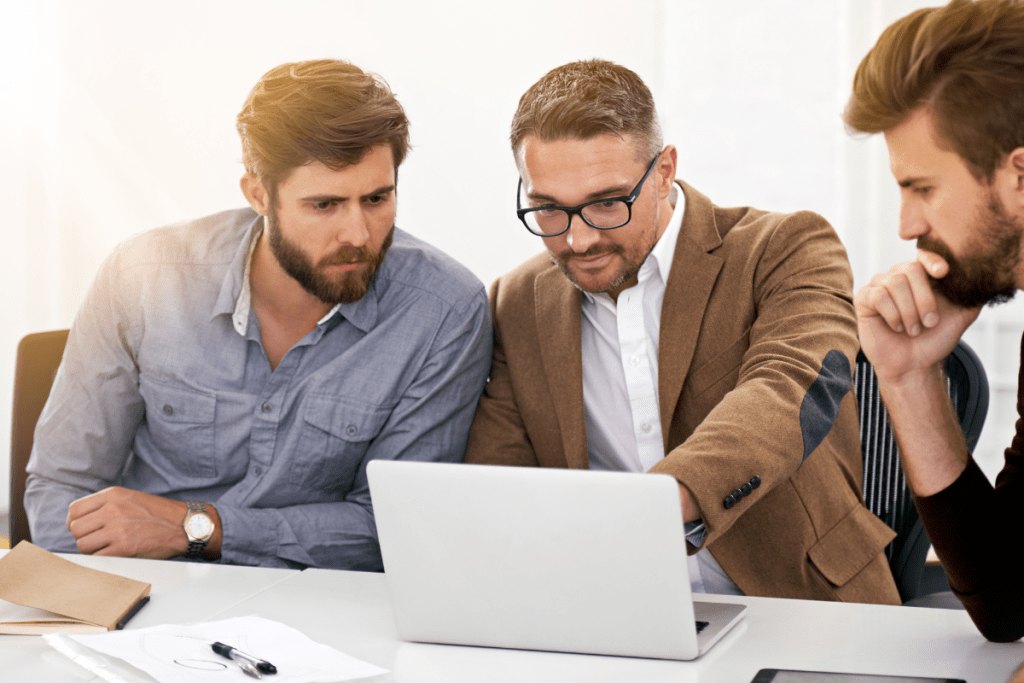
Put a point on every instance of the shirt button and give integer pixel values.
(634, 360)
(265, 407)
(168, 410)
(351, 430)
(645, 427)
(257, 470)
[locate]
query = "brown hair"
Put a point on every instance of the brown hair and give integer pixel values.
(585, 99)
(965, 62)
(325, 110)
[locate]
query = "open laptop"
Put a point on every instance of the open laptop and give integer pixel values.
(540, 559)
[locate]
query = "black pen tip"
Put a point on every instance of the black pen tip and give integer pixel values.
(266, 668)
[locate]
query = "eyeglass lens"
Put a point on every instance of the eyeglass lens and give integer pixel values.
(602, 215)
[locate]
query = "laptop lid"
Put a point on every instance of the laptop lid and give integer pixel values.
(540, 559)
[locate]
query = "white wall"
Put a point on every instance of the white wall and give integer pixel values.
(117, 116)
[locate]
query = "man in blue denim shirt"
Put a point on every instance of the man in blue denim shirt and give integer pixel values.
(228, 379)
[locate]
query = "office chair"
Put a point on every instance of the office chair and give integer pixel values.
(885, 489)
(36, 363)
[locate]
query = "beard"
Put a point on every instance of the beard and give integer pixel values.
(349, 287)
(633, 257)
(987, 274)
(630, 266)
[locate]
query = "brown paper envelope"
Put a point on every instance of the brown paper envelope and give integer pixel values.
(34, 577)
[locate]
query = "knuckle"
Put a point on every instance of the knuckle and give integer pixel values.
(905, 268)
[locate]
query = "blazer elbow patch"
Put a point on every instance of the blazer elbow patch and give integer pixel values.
(820, 407)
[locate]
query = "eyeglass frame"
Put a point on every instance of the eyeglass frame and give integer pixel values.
(577, 210)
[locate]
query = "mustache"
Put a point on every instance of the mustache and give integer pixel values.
(596, 250)
(348, 255)
(936, 247)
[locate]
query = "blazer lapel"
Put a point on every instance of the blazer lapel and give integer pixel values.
(687, 291)
(559, 311)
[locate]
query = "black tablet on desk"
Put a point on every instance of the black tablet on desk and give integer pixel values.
(788, 676)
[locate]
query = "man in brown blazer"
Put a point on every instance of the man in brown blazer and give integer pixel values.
(661, 333)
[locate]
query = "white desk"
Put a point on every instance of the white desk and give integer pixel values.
(182, 592)
(351, 612)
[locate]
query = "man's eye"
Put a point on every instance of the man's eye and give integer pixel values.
(324, 205)
(376, 199)
(922, 190)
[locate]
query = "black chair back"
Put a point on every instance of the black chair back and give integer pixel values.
(885, 488)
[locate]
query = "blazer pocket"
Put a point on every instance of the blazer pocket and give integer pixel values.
(182, 424)
(850, 545)
(335, 437)
(725, 364)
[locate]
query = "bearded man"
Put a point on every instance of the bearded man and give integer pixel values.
(660, 333)
(944, 86)
(228, 379)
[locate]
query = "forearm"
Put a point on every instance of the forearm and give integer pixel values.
(973, 533)
(933, 450)
(326, 535)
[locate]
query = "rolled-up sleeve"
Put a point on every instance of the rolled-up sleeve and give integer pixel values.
(84, 434)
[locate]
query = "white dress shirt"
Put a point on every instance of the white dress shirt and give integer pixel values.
(620, 368)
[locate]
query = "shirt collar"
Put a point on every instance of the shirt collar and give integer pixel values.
(664, 250)
(243, 303)
(235, 286)
(235, 298)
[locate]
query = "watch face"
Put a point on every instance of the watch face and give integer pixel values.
(199, 525)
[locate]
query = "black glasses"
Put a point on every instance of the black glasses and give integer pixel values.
(603, 214)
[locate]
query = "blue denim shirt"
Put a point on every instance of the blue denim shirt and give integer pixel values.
(165, 388)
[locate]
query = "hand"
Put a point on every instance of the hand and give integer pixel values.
(126, 523)
(905, 328)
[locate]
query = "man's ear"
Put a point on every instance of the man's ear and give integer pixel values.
(1016, 160)
(666, 170)
(255, 194)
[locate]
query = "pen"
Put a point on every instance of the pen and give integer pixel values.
(132, 612)
(249, 664)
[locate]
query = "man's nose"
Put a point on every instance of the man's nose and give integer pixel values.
(912, 222)
(352, 227)
(581, 236)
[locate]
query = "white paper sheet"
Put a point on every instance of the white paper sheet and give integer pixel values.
(12, 612)
(183, 653)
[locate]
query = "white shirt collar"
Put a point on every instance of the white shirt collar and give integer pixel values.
(664, 250)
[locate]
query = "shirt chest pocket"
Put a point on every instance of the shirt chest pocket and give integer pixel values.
(334, 440)
(181, 424)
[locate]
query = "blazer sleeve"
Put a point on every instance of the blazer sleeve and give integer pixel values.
(498, 435)
(768, 401)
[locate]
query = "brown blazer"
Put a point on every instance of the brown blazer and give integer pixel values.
(758, 341)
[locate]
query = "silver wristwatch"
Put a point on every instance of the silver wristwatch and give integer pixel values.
(198, 527)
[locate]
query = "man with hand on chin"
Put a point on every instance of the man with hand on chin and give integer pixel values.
(228, 379)
(661, 333)
(944, 85)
